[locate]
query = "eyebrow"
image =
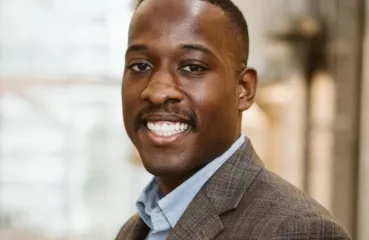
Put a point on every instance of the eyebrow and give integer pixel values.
(196, 47)
(187, 47)
(137, 48)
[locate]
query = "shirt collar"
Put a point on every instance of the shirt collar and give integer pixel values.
(148, 201)
(175, 203)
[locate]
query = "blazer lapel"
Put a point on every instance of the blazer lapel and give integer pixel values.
(199, 221)
(230, 183)
(222, 193)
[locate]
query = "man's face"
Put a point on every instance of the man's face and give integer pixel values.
(181, 86)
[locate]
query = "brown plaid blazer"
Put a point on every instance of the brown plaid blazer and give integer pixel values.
(243, 200)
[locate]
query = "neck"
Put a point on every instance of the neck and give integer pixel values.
(167, 185)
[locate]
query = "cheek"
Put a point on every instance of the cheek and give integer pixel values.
(215, 103)
(131, 93)
(131, 96)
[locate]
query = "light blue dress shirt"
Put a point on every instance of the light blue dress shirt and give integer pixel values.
(161, 215)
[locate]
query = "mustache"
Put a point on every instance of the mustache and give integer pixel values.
(170, 109)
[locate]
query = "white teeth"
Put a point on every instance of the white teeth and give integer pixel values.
(166, 128)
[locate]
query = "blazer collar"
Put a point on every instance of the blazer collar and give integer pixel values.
(222, 193)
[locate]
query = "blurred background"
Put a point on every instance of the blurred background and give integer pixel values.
(67, 168)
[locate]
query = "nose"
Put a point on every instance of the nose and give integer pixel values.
(161, 88)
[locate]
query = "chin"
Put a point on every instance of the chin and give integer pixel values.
(166, 167)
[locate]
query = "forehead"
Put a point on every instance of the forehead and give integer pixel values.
(172, 22)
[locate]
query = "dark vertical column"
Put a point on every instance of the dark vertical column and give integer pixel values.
(363, 210)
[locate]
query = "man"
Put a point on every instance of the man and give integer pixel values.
(185, 86)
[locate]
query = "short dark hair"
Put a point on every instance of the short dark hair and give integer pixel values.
(236, 17)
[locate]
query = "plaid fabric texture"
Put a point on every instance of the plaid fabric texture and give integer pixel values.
(243, 200)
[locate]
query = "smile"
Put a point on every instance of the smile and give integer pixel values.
(166, 129)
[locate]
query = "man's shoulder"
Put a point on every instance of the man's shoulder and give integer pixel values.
(273, 203)
(310, 226)
(281, 198)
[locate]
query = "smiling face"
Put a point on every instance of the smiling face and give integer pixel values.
(184, 87)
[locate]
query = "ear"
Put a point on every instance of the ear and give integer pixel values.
(247, 85)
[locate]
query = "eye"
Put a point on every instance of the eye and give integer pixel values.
(193, 68)
(140, 67)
